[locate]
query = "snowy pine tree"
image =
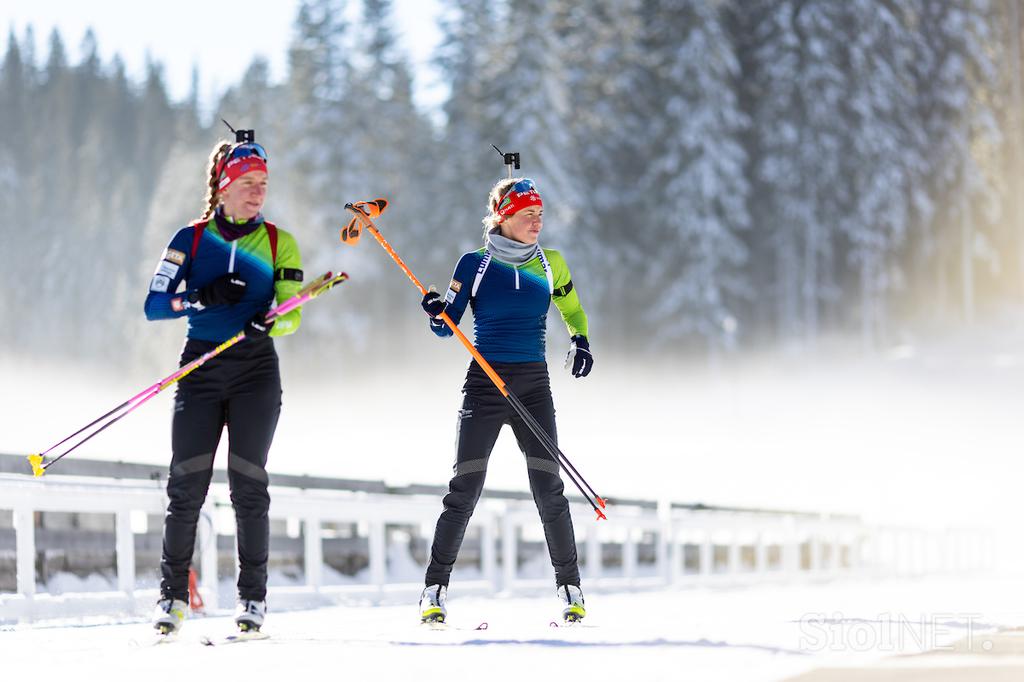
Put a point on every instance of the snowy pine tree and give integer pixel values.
(797, 177)
(531, 98)
(695, 189)
(954, 75)
(608, 60)
(468, 166)
(879, 162)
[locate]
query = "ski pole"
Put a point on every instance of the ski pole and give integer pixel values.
(364, 212)
(307, 293)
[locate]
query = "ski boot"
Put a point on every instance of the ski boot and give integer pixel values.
(249, 615)
(432, 609)
(571, 597)
(169, 615)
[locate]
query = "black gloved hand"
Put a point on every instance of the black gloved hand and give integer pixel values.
(258, 327)
(229, 288)
(432, 303)
(579, 361)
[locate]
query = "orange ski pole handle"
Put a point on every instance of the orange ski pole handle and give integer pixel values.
(363, 214)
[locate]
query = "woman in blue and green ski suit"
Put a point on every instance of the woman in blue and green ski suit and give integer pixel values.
(234, 266)
(510, 283)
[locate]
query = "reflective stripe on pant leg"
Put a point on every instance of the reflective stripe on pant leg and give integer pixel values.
(193, 465)
(242, 466)
(548, 465)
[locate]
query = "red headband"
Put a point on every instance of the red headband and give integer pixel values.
(236, 168)
(515, 201)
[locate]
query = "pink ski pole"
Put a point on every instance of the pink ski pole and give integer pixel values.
(314, 289)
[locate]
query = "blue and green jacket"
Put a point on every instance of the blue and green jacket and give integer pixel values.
(251, 257)
(510, 303)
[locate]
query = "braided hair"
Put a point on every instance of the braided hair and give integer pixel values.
(212, 198)
(492, 219)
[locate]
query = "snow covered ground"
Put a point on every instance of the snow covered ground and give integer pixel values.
(926, 435)
(755, 634)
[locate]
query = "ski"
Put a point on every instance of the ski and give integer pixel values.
(236, 638)
(156, 639)
(441, 625)
(570, 624)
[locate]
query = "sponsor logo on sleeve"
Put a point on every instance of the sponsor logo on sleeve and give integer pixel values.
(167, 269)
(453, 289)
(174, 256)
(160, 283)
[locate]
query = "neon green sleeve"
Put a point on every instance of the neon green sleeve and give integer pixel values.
(287, 257)
(568, 303)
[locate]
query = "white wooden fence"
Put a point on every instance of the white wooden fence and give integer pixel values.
(731, 546)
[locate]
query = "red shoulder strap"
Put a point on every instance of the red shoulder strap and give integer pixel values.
(197, 234)
(272, 236)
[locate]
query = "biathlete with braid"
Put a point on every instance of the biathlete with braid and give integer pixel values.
(510, 284)
(234, 265)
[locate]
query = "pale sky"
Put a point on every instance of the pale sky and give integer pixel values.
(220, 36)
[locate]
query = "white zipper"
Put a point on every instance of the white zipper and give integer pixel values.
(231, 261)
(517, 278)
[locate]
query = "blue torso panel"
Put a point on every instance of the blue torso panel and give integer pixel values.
(252, 260)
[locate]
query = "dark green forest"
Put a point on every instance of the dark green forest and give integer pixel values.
(721, 175)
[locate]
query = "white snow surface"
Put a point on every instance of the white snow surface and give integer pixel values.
(753, 634)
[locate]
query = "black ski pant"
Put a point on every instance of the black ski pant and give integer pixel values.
(484, 412)
(240, 388)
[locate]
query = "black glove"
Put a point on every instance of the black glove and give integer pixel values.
(227, 289)
(579, 361)
(258, 327)
(432, 303)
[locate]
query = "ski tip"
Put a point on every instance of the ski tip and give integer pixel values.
(600, 515)
(600, 501)
(37, 465)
